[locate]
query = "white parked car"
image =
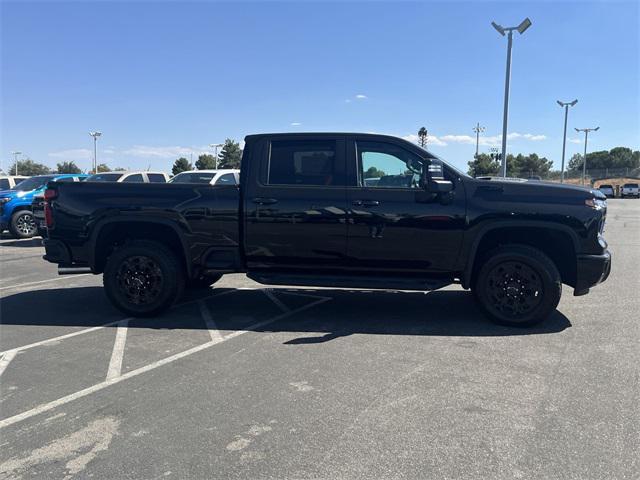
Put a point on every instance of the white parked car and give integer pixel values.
(225, 176)
(9, 182)
(608, 190)
(630, 190)
(129, 177)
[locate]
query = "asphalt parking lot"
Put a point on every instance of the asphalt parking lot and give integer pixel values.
(243, 381)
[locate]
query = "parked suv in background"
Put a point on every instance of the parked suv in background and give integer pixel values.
(130, 177)
(608, 190)
(15, 204)
(630, 190)
(9, 182)
(212, 177)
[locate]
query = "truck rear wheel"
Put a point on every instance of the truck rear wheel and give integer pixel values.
(22, 224)
(143, 278)
(518, 285)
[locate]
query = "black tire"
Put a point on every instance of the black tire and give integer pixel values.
(203, 281)
(143, 278)
(22, 224)
(517, 285)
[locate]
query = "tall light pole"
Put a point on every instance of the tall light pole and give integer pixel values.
(584, 159)
(526, 23)
(15, 160)
(478, 129)
(95, 136)
(566, 106)
(215, 154)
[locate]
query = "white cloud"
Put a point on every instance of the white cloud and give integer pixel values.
(361, 97)
(295, 124)
(148, 151)
(574, 140)
(485, 141)
(431, 140)
(73, 154)
(358, 97)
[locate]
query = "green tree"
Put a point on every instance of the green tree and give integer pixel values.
(484, 165)
(103, 167)
(206, 162)
(29, 168)
(527, 165)
(68, 167)
(230, 155)
(373, 172)
(422, 137)
(181, 165)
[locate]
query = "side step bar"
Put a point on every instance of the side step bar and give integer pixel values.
(73, 270)
(349, 281)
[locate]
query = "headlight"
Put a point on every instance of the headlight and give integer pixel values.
(596, 203)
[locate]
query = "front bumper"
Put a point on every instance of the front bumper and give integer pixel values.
(590, 271)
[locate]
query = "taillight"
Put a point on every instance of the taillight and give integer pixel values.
(49, 195)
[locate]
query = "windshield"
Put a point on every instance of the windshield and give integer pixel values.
(630, 185)
(33, 183)
(104, 177)
(193, 177)
(606, 186)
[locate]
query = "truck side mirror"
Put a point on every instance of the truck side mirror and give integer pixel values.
(433, 178)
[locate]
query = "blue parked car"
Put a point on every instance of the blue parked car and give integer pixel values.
(15, 203)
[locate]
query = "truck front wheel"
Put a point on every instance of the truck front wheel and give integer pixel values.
(22, 224)
(517, 285)
(143, 278)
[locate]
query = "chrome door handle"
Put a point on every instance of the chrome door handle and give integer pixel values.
(264, 201)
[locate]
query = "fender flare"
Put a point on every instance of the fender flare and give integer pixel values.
(484, 230)
(99, 226)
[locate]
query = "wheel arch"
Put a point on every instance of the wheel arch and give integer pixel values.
(109, 232)
(559, 242)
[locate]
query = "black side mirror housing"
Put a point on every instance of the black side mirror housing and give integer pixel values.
(433, 178)
(439, 185)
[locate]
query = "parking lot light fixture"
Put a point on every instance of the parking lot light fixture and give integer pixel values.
(215, 154)
(524, 25)
(584, 159)
(15, 157)
(566, 106)
(95, 136)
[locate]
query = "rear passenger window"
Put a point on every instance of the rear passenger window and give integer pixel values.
(156, 178)
(304, 162)
(4, 184)
(137, 178)
(227, 179)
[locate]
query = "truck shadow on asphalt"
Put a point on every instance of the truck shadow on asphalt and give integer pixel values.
(438, 313)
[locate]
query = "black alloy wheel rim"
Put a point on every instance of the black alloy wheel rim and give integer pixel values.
(25, 224)
(140, 280)
(514, 288)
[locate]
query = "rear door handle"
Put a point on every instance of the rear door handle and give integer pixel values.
(366, 203)
(264, 201)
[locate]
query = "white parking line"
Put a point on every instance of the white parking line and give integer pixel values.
(115, 364)
(152, 366)
(5, 360)
(214, 333)
(99, 327)
(57, 279)
(276, 300)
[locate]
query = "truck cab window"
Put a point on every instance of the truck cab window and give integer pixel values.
(136, 178)
(385, 165)
(227, 179)
(304, 162)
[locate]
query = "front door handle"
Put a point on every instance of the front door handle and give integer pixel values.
(264, 201)
(366, 203)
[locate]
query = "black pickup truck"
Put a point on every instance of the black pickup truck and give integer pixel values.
(335, 210)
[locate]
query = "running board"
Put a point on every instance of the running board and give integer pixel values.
(349, 281)
(73, 270)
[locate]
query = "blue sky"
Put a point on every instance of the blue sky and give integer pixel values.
(163, 79)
